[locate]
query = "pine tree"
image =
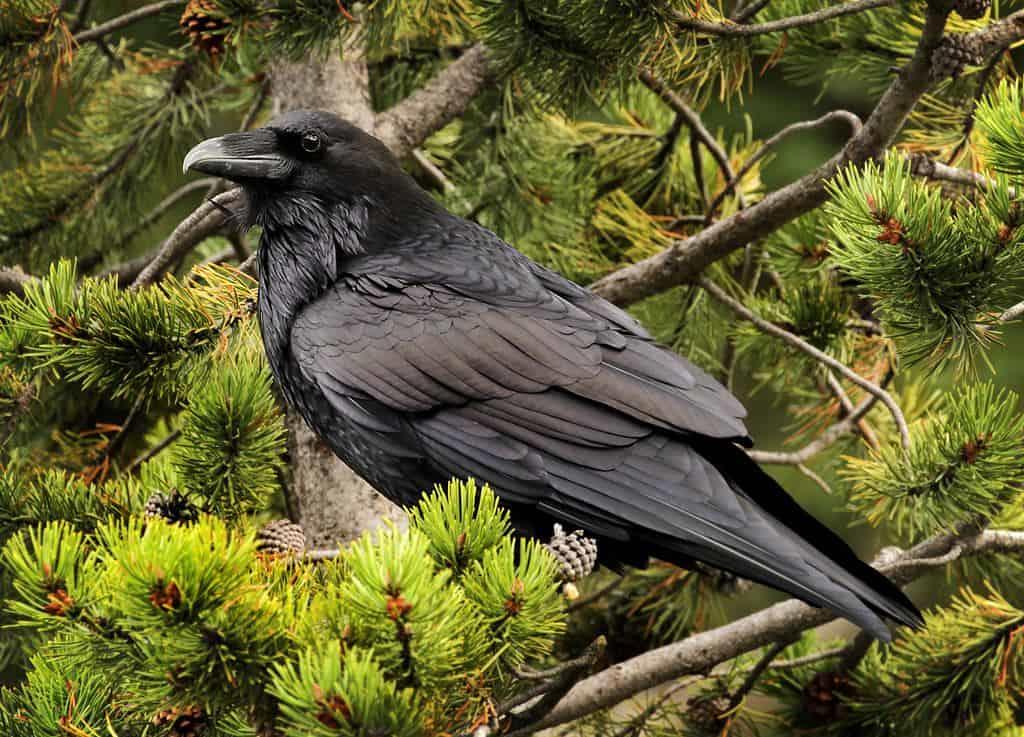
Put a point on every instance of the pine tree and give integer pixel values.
(169, 564)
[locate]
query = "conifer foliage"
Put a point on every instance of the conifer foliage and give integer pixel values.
(153, 579)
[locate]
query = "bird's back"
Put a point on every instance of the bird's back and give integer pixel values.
(453, 354)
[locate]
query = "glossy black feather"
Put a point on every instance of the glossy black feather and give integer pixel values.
(421, 346)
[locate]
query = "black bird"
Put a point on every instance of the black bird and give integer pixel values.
(421, 346)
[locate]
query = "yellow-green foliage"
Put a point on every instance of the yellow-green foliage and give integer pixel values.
(152, 618)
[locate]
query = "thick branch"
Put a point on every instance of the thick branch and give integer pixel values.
(783, 24)
(685, 259)
(999, 35)
(13, 281)
(778, 623)
(122, 21)
(409, 123)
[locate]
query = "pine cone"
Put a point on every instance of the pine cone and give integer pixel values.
(822, 700)
(955, 52)
(173, 507)
(189, 721)
(971, 9)
(204, 26)
(724, 582)
(705, 712)
(576, 553)
(281, 536)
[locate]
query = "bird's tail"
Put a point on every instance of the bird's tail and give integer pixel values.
(849, 586)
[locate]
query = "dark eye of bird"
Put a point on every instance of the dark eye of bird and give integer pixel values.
(311, 143)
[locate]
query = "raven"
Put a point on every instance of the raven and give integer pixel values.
(420, 346)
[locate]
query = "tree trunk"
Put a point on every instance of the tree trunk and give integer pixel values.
(328, 499)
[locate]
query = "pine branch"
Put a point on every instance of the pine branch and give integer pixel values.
(685, 259)
(737, 30)
(206, 220)
(122, 21)
(802, 345)
(409, 123)
(781, 622)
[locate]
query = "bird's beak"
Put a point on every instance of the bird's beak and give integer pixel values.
(239, 157)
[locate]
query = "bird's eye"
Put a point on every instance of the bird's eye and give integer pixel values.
(311, 143)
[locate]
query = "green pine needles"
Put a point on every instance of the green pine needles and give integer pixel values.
(152, 623)
(940, 275)
(963, 466)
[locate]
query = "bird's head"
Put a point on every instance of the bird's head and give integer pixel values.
(304, 155)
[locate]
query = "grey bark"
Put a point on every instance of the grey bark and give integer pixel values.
(328, 499)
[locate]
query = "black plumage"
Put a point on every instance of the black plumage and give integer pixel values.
(420, 346)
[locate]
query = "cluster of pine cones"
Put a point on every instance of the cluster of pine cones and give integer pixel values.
(205, 26)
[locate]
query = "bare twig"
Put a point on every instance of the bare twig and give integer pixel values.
(696, 125)
(800, 344)
(597, 595)
(781, 622)
(744, 14)
(809, 473)
(433, 171)
(852, 120)
(206, 220)
(155, 214)
(154, 451)
(923, 166)
(406, 125)
(257, 104)
(755, 673)
(552, 692)
(122, 21)
(685, 259)
(783, 24)
(847, 404)
(824, 441)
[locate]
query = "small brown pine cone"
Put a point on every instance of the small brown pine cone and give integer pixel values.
(972, 9)
(204, 26)
(575, 552)
(707, 712)
(189, 721)
(822, 698)
(955, 52)
(173, 507)
(281, 536)
(724, 582)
